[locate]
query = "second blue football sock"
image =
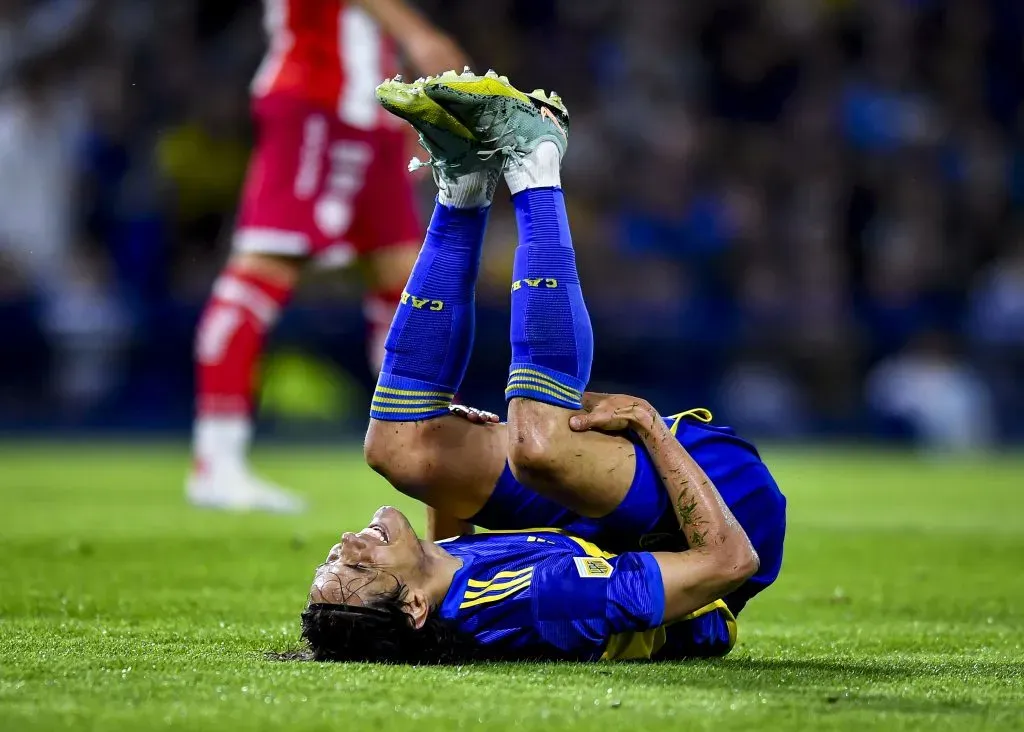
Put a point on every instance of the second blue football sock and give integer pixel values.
(552, 340)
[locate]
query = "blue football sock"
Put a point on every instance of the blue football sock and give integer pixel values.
(430, 340)
(552, 341)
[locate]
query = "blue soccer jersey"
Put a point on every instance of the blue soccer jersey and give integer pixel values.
(546, 594)
(645, 519)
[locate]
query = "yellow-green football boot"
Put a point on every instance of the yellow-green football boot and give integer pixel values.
(454, 150)
(503, 118)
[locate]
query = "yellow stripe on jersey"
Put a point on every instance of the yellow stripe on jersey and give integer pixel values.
(473, 594)
(591, 550)
(644, 644)
(636, 644)
(622, 646)
(495, 588)
(519, 585)
(730, 621)
(716, 605)
(700, 414)
(520, 579)
(588, 548)
(500, 575)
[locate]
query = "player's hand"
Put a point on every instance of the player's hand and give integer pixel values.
(432, 52)
(612, 413)
(471, 414)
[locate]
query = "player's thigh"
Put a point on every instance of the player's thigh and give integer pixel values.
(306, 177)
(387, 229)
(275, 217)
(589, 473)
(448, 463)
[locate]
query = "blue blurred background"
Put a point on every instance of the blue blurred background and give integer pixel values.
(807, 215)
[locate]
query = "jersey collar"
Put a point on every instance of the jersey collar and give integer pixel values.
(460, 581)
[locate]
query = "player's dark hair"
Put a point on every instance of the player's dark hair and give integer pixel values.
(383, 632)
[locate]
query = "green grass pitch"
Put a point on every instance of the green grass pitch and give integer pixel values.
(900, 606)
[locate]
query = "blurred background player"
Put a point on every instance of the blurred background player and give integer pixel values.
(327, 181)
(124, 143)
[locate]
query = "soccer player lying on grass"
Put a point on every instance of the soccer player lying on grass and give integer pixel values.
(599, 470)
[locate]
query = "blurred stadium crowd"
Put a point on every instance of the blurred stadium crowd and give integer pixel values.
(808, 214)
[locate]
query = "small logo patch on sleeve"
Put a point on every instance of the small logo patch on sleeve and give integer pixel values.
(593, 567)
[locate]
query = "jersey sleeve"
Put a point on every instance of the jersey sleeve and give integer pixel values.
(600, 597)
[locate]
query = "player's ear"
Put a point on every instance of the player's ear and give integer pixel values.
(417, 604)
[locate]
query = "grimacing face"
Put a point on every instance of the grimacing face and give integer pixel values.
(371, 562)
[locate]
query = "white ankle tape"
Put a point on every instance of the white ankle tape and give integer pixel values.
(472, 190)
(539, 169)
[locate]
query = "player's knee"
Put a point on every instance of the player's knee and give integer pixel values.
(282, 270)
(393, 451)
(381, 453)
(538, 436)
(535, 451)
(375, 452)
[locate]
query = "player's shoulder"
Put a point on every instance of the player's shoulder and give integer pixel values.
(494, 563)
(553, 557)
(531, 540)
(625, 590)
(541, 582)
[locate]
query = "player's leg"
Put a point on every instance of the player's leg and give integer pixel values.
(276, 235)
(552, 341)
(462, 468)
(385, 272)
(247, 297)
(412, 440)
(386, 232)
(244, 305)
(390, 232)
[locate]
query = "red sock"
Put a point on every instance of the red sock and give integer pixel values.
(229, 340)
(379, 309)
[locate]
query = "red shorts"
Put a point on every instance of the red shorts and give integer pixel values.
(319, 188)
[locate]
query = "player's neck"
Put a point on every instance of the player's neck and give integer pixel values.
(438, 571)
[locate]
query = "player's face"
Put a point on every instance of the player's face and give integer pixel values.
(371, 562)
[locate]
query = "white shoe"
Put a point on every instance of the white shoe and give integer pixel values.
(236, 489)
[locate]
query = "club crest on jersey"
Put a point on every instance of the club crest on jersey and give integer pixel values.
(593, 567)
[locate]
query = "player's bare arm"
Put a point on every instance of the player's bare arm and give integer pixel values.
(720, 557)
(311, 99)
(429, 49)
